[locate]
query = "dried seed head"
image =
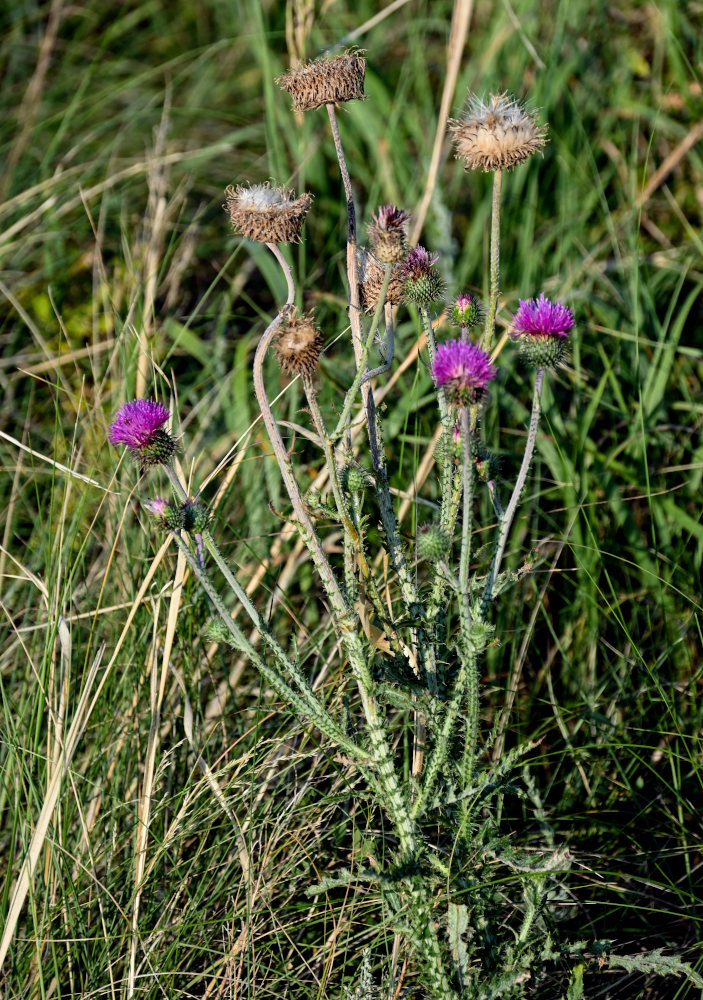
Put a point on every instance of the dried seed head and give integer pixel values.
(387, 234)
(325, 81)
(496, 135)
(299, 345)
(371, 275)
(267, 214)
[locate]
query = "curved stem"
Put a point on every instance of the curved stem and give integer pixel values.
(507, 518)
(465, 557)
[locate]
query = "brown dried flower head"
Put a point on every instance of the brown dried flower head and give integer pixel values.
(299, 345)
(387, 234)
(267, 214)
(497, 134)
(371, 275)
(325, 81)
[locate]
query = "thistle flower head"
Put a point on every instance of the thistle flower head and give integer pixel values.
(464, 370)
(541, 329)
(371, 274)
(299, 345)
(387, 233)
(325, 81)
(138, 424)
(496, 134)
(196, 516)
(267, 214)
(168, 514)
(422, 284)
(466, 310)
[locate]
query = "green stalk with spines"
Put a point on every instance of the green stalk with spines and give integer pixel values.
(303, 703)
(507, 519)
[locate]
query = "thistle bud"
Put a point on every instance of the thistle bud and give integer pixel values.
(422, 284)
(167, 513)
(432, 543)
(355, 479)
(466, 311)
(196, 516)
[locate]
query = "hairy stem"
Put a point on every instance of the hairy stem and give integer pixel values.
(507, 519)
(494, 289)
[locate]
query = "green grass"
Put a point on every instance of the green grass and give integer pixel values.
(115, 163)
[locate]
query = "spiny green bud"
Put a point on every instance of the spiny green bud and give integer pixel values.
(215, 630)
(422, 284)
(196, 516)
(355, 479)
(486, 463)
(466, 310)
(545, 351)
(432, 542)
(168, 514)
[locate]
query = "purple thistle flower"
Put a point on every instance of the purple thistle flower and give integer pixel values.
(138, 424)
(391, 218)
(464, 370)
(542, 318)
(418, 263)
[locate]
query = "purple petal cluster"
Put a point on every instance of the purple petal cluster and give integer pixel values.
(463, 368)
(542, 318)
(136, 423)
(391, 218)
(418, 263)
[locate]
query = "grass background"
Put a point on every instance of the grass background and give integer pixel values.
(121, 127)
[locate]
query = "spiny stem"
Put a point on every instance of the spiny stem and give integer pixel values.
(465, 557)
(507, 518)
(490, 325)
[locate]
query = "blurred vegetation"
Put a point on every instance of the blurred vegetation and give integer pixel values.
(121, 126)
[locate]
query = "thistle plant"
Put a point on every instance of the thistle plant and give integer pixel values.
(469, 905)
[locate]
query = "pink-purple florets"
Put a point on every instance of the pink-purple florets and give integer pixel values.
(542, 318)
(418, 262)
(137, 422)
(391, 218)
(464, 370)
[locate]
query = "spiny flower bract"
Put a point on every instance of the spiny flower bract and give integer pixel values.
(422, 284)
(267, 214)
(466, 310)
(464, 370)
(325, 81)
(496, 134)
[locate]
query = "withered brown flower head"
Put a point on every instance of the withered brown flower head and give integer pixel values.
(371, 275)
(299, 345)
(387, 234)
(267, 214)
(325, 81)
(497, 134)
